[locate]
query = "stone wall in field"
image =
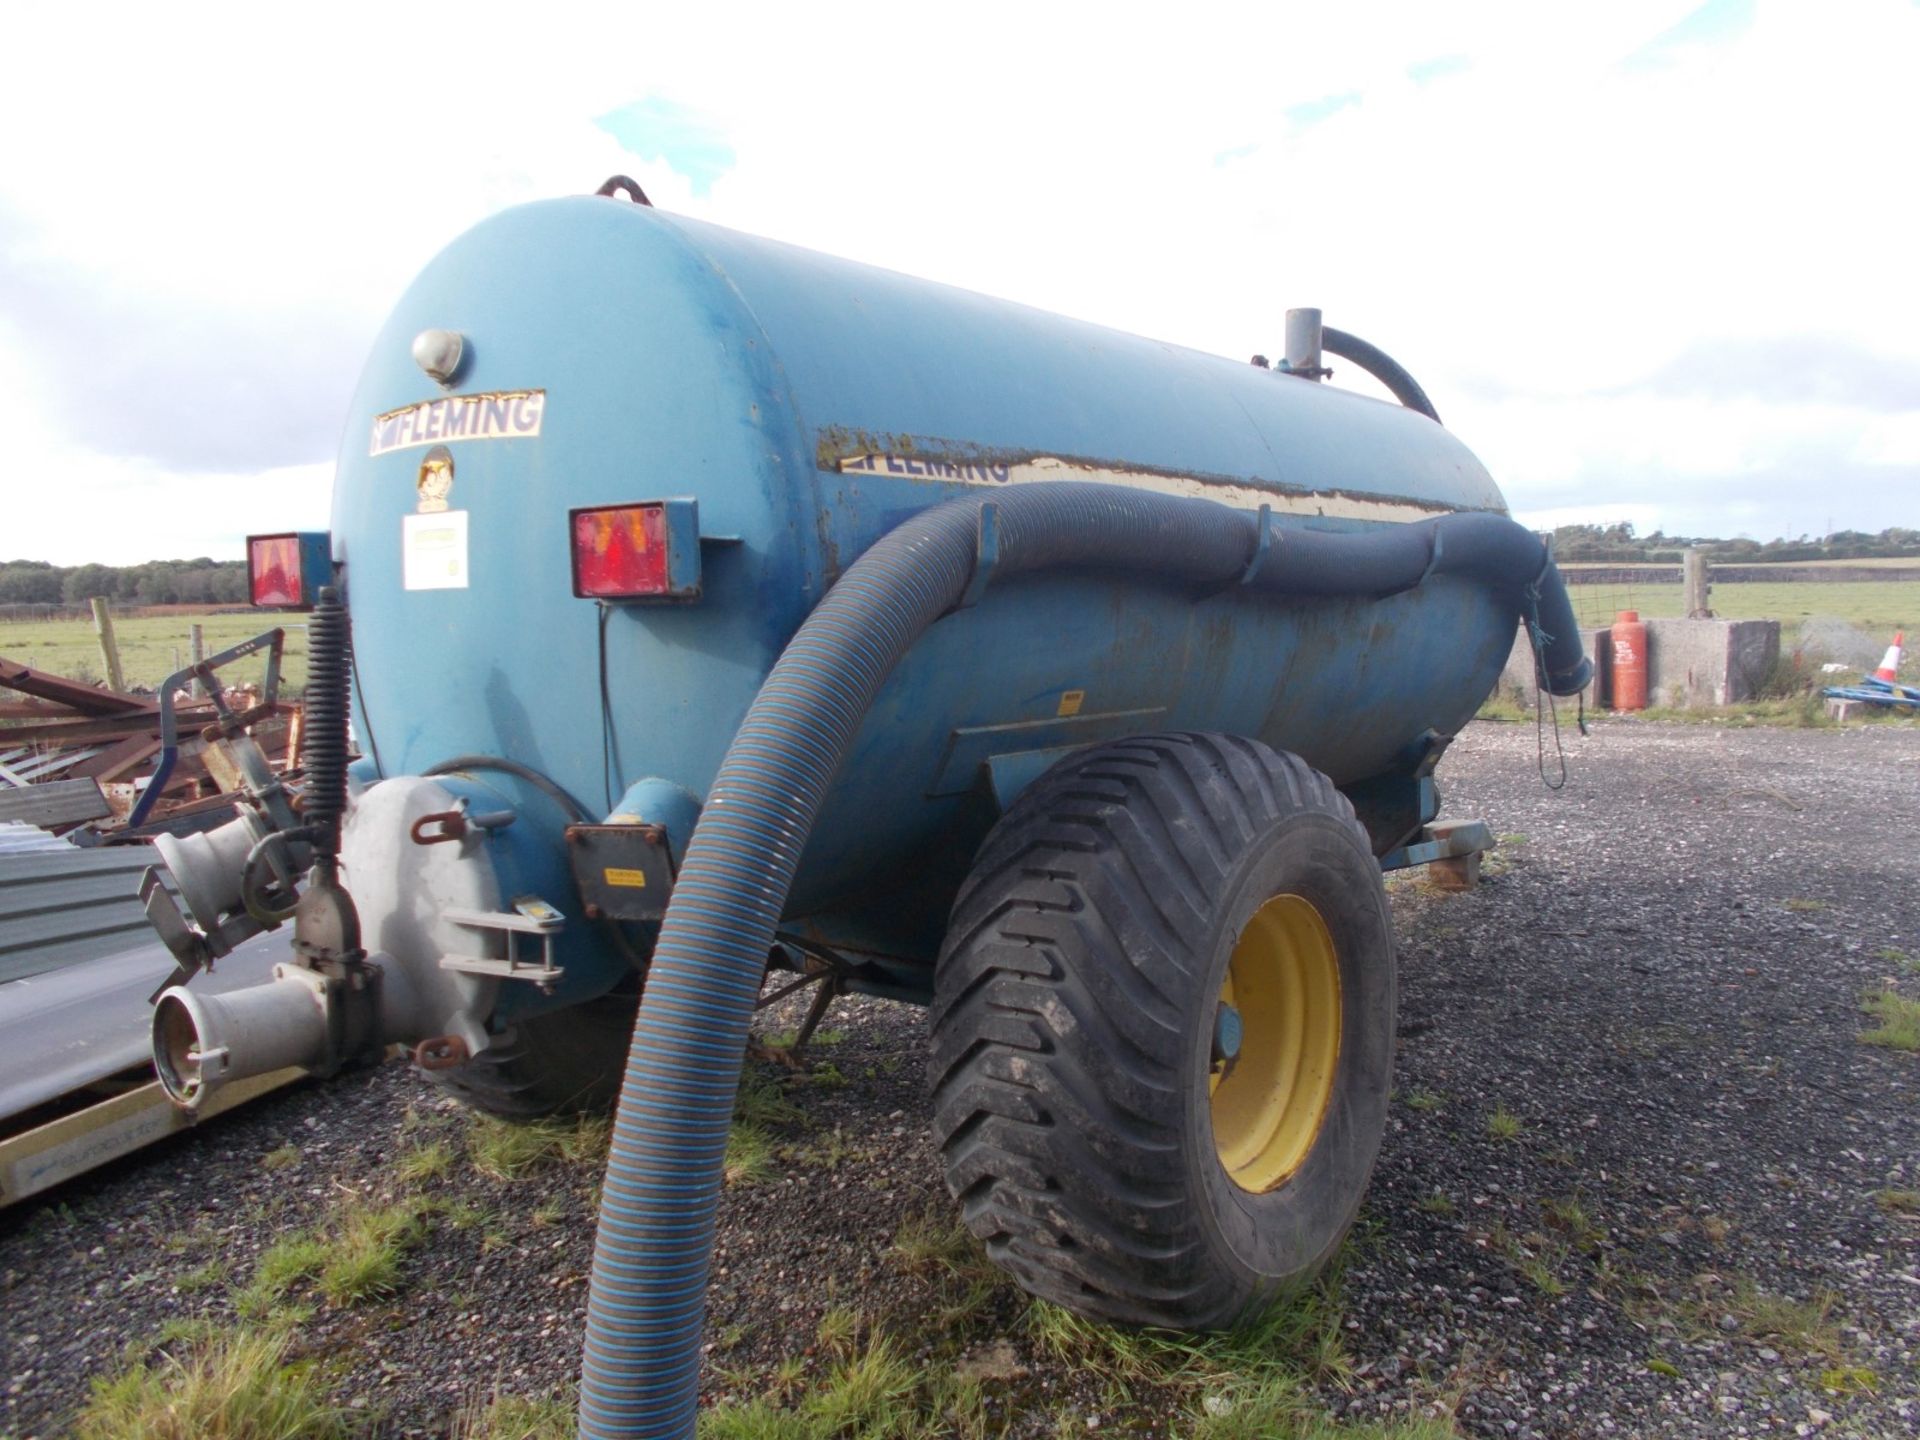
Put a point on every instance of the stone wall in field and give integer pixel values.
(1737, 574)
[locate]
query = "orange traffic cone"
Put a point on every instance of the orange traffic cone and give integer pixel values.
(1889, 670)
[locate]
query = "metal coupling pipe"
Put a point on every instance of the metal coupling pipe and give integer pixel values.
(1303, 344)
(301, 1018)
(208, 867)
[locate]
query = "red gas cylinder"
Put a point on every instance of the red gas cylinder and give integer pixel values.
(1629, 662)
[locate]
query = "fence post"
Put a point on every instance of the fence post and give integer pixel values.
(1693, 575)
(109, 650)
(197, 651)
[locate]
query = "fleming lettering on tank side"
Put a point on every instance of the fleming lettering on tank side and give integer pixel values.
(1023, 470)
(501, 415)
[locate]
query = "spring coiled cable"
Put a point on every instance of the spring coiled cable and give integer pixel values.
(323, 749)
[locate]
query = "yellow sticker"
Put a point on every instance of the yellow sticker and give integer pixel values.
(632, 879)
(1070, 701)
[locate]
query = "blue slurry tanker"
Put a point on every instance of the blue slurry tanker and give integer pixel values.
(719, 608)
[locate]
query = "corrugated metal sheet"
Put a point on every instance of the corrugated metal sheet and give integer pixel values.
(54, 802)
(62, 1031)
(60, 909)
(27, 765)
(17, 837)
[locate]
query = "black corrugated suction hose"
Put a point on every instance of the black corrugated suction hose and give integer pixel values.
(640, 1375)
(1382, 366)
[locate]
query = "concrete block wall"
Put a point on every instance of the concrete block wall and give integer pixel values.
(1690, 663)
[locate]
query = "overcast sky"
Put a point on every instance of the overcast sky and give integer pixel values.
(1653, 261)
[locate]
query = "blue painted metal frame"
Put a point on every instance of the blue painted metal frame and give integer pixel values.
(1874, 691)
(272, 641)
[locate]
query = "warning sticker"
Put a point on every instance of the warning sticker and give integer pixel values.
(433, 551)
(631, 879)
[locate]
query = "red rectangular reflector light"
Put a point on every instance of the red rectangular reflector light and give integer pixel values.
(288, 570)
(620, 551)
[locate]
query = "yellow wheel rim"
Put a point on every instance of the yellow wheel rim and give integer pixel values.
(1276, 1043)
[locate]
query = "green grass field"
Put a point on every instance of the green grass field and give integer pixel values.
(1876, 604)
(152, 647)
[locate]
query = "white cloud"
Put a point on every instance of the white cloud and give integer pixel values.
(1534, 234)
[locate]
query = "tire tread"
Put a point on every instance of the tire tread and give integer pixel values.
(1062, 1145)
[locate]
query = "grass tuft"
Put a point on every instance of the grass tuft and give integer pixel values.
(282, 1264)
(203, 1277)
(1299, 1337)
(280, 1158)
(1898, 1202)
(1899, 1017)
(753, 1420)
(930, 1243)
(237, 1386)
(872, 1393)
(516, 1417)
(762, 1101)
(1502, 1125)
(749, 1155)
(1569, 1215)
(425, 1163)
(504, 1150)
(1412, 1427)
(1274, 1405)
(1805, 1326)
(363, 1260)
(822, 1039)
(867, 1394)
(839, 1329)
(1849, 1380)
(356, 1259)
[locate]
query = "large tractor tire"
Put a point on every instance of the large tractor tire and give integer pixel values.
(565, 1062)
(1163, 1031)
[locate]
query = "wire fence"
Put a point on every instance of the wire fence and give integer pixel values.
(31, 611)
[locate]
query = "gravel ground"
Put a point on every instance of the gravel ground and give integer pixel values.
(1633, 1117)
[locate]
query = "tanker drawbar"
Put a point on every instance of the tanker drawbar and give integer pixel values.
(721, 609)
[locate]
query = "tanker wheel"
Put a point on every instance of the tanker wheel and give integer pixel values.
(565, 1062)
(1163, 1030)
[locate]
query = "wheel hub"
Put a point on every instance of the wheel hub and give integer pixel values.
(1276, 1043)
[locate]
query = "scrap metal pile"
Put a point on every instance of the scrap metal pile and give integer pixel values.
(82, 768)
(74, 754)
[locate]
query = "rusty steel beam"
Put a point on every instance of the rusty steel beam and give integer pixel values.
(115, 761)
(99, 727)
(76, 695)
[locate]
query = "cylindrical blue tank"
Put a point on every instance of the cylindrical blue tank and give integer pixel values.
(807, 404)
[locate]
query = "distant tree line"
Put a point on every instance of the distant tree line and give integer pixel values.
(224, 582)
(1619, 545)
(158, 582)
